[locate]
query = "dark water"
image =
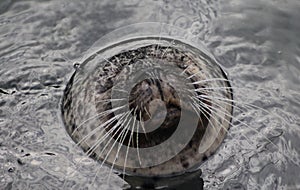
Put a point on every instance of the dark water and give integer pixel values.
(256, 42)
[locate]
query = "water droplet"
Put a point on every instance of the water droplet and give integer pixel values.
(12, 169)
(76, 65)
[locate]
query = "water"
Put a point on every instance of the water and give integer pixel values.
(256, 42)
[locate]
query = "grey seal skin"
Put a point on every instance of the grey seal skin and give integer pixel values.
(149, 100)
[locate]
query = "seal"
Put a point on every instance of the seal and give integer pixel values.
(148, 106)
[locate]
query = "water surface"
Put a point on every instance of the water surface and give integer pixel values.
(257, 43)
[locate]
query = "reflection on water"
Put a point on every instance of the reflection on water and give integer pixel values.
(255, 41)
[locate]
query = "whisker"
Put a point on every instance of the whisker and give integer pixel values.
(148, 113)
(216, 119)
(210, 80)
(137, 141)
(121, 90)
(102, 126)
(120, 135)
(168, 47)
(109, 132)
(208, 118)
(142, 123)
(124, 168)
(185, 69)
(194, 104)
(199, 72)
(201, 89)
(246, 105)
(119, 147)
(245, 124)
(110, 100)
(107, 112)
(92, 149)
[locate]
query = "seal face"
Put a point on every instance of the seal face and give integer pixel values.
(148, 106)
